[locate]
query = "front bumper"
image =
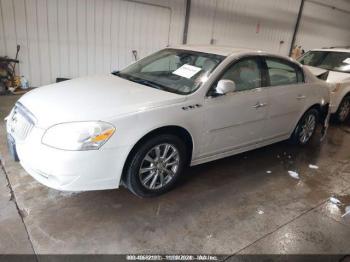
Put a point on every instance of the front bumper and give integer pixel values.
(70, 170)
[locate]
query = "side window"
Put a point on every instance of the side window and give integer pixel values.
(246, 74)
(282, 73)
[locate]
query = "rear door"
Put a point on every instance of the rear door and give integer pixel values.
(287, 93)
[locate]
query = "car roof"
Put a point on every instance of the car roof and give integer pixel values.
(229, 51)
(345, 50)
(214, 49)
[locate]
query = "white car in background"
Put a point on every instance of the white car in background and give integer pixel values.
(333, 66)
(142, 126)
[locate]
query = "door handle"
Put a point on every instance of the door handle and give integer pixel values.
(301, 97)
(259, 105)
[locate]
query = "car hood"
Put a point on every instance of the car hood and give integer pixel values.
(316, 71)
(338, 77)
(333, 76)
(92, 99)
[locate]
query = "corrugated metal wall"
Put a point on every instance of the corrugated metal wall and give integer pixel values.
(269, 24)
(266, 25)
(70, 38)
(324, 26)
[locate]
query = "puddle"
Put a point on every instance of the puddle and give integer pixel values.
(287, 161)
(343, 204)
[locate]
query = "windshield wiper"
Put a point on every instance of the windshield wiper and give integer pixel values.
(145, 82)
(140, 81)
(151, 84)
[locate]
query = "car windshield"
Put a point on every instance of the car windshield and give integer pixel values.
(333, 61)
(172, 70)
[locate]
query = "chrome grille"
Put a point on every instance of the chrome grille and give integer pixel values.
(20, 122)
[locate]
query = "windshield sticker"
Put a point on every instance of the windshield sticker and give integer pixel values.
(187, 71)
(347, 61)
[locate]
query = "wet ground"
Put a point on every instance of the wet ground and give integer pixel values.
(249, 203)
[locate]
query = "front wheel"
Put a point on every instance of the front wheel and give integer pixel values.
(344, 110)
(156, 166)
(306, 128)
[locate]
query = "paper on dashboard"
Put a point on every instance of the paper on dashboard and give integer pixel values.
(187, 71)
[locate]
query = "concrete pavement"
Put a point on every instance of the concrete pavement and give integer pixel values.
(245, 204)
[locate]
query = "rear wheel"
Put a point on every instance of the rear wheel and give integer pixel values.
(306, 128)
(156, 166)
(344, 110)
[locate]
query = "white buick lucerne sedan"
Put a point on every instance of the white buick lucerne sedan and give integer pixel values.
(140, 127)
(333, 66)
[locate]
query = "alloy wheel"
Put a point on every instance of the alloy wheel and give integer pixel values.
(307, 129)
(344, 110)
(159, 166)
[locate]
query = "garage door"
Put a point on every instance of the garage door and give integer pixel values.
(144, 28)
(244, 23)
(319, 28)
(72, 38)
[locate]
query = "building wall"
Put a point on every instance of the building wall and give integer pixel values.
(71, 38)
(324, 26)
(266, 25)
(269, 25)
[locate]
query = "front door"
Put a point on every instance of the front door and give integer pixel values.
(237, 119)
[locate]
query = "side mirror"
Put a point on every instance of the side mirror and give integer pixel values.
(225, 86)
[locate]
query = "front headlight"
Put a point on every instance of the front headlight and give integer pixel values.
(78, 136)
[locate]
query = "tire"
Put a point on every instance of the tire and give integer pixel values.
(148, 175)
(306, 128)
(344, 110)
